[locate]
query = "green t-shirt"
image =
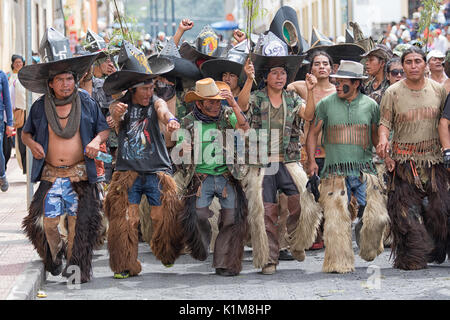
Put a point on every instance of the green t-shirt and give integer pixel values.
(347, 134)
(212, 157)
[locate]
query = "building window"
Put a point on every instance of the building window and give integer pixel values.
(315, 14)
(326, 17)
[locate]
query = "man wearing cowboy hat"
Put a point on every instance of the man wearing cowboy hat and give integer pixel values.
(143, 164)
(277, 113)
(348, 121)
(209, 176)
(64, 131)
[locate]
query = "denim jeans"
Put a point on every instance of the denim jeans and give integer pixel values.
(213, 186)
(2, 156)
(358, 188)
(147, 184)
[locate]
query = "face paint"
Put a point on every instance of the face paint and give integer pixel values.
(345, 88)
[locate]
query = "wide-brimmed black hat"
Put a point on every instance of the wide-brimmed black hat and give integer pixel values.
(96, 44)
(318, 41)
(135, 69)
(183, 68)
(345, 51)
(263, 64)
(364, 42)
(285, 26)
(57, 58)
(207, 46)
(233, 62)
(349, 36)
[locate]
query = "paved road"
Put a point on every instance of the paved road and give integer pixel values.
(191, 279)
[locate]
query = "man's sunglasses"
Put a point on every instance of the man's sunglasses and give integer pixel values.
(396, 72)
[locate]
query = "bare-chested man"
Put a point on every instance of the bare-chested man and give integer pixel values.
(64, 131)
(316, 86)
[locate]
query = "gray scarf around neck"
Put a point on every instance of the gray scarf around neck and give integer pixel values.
(73, 122)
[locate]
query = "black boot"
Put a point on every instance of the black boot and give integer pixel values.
(359, 225)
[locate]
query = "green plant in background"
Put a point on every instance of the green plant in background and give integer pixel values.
(430, 8)
(254, 10)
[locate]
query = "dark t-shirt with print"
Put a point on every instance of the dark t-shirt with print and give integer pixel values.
(142, 147)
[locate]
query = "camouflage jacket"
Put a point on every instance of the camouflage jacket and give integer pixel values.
(185, 172)
(376, 94)
(258, 115)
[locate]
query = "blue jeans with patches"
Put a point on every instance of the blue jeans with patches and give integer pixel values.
(60, 199)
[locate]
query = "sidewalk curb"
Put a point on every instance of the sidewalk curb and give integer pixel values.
(29, 282)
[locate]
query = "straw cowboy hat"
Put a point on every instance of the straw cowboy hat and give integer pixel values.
(350, 70)
(206, 89)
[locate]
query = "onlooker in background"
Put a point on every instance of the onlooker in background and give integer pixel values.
(435, 60)
(19, 106)
(440, 41)
(394, 71)
(6, 128)
(415, 26)
(405, 34)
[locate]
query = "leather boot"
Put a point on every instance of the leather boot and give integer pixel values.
(359, 224)
(55, 243)
(271, 223)
(203, 214)
(224, 256)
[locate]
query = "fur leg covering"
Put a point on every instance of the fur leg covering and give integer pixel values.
(190, 223)
(33, 225)
(375, 220)
(167, 237)
(229, 248)
(437, 213)
(252, 185)
(311, 213)
(283, 237)
(214, 222)
(87, 229)
(411, 243)
(145, 219)
(123, 233)
(339, 255)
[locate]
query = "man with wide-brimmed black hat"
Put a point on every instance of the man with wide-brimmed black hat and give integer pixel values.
(228, 69)
(64, 131)
(348, 121)
(143, 165)
(278, 114)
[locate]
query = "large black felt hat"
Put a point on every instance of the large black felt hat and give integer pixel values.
(345, 51)
(135, 69)
(183, 68)
(57, 58)
(207, 46)
(318, 41)
(233, 62)
(263, 64)
(285, 26)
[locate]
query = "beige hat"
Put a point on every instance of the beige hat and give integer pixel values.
(435, 54)
(206, 89)
(350, 70)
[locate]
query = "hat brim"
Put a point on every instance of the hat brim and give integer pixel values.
(341, 76)
(215, 68)
(262, 64)
(125, 79)
(183, 68)
(194, 96)
(188, 52)
(34, 77)
(345, 51)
